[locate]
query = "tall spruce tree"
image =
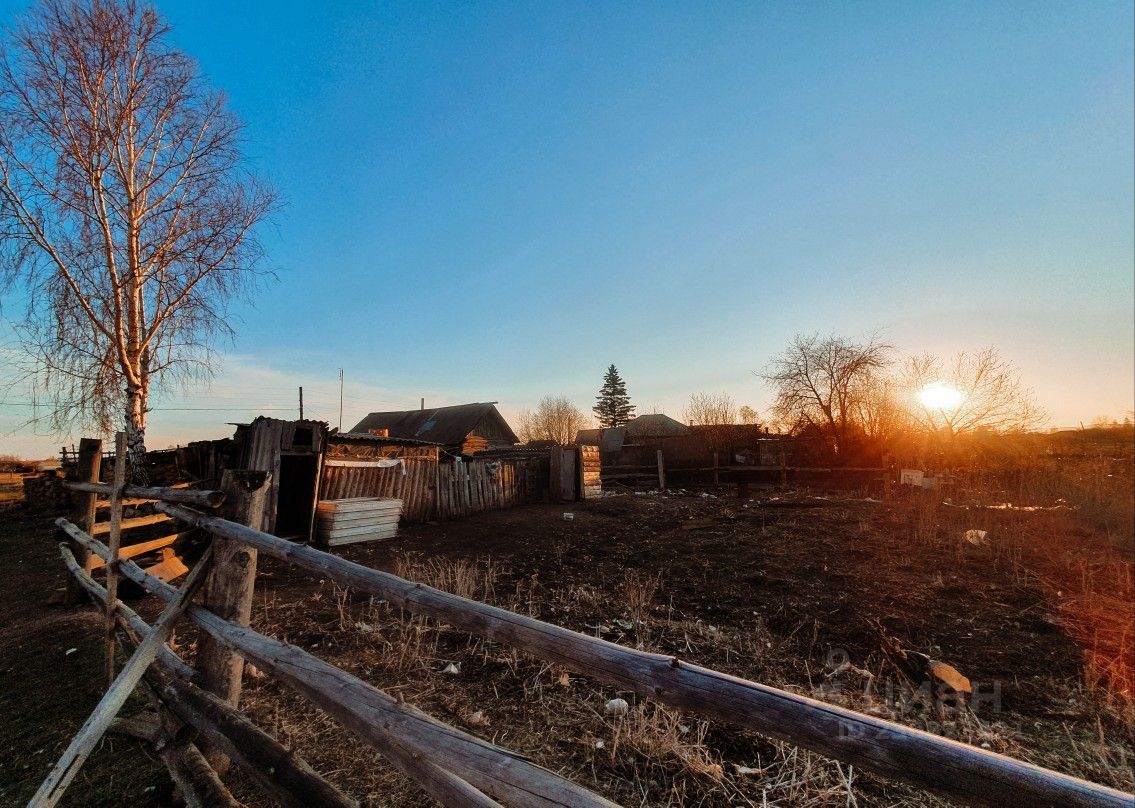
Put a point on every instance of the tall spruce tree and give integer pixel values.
(613, 406)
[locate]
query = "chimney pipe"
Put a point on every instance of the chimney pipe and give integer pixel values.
(423, 404)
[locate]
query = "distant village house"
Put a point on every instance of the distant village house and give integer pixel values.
(464, 429)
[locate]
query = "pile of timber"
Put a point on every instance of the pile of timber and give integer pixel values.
(346, 521)
(44, 491)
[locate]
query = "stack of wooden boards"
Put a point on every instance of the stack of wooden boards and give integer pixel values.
(346, 521)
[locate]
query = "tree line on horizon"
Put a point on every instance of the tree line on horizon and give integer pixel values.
(859, 396)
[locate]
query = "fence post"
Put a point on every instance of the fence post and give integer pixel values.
(661, 472)
(716, 476)
(228, 590)
(114, 542)
(83, 514)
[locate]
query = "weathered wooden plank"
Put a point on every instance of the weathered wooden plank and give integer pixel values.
(143, 493)
(362, 505)
(334, 462)
(279, 771)
(102, 528)
(141, 548)
(87, 468)
(64, 771)
(958, 770)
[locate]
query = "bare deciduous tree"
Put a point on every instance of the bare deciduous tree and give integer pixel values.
(555, 418)
(748, 415)
(990, 396)
(823, 381)
(124, 209)
(711, 409)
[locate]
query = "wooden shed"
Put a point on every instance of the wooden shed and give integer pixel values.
(292, 451)
(357, 464)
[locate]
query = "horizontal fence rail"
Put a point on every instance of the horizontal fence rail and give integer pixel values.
(186, 496)
(957, 770)
(410, 738)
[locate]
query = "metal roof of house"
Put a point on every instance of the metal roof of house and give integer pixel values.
(655, 426)
(445, 425)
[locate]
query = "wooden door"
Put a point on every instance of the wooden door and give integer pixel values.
(568, 474)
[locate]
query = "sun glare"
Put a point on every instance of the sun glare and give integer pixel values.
(939, 396)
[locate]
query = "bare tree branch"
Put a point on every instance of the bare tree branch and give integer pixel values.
(124, 209)
(555, 418)
(828, 383)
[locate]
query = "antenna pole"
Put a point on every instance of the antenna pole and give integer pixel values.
(301, 403)
(340, 399)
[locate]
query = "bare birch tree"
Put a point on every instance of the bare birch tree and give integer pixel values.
(124, 209)
(711, 409)
(991, 395)
(824, 382)
(555, 418)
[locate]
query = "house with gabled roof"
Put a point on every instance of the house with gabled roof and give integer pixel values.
(464, 429)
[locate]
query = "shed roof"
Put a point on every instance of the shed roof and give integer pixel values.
(588, 437)
(611, 440)
(445, 425)
(366, 437)
(655, 426)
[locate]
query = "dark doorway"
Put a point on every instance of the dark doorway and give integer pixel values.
(295, 502)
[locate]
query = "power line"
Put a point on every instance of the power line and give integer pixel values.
(165, 409)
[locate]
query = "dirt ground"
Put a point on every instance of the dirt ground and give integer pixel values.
(781, 588)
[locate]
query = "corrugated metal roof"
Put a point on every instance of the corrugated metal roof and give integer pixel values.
(361, 437)
(448, 426)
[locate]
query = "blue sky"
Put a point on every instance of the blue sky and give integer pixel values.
(494, 201)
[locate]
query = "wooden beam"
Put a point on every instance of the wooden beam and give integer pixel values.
(661, 471)
(279, 771)
(125, 613)
(141, 548)
(146, 493)
(198, 782)
(964, 772)
(103, 528)
(87, 469)
(60, 776)
(412, 740)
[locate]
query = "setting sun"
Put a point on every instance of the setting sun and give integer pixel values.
(939, 396)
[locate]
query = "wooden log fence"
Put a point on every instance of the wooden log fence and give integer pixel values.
(939, 764)
(457, 768)
(84, 742)
(411, 739)
(278, 770)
